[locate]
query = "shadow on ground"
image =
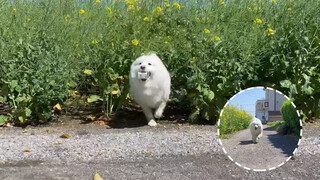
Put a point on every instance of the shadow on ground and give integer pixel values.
(246, 142)
(133, 116)
(287, 144)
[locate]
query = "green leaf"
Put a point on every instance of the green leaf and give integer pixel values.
(285, 83)
(307, 89)
(293, 89)
(13, 84)
(208, 94)
(21, 119)
(93, 98)
(206, 114)
(193, 118)
(3, 99)
(28, 112)
(3, 119)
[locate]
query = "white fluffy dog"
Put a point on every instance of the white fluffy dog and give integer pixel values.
(150, 86)
(256, 129)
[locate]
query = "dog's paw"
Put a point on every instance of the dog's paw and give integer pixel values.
(158, 114)
(152, 123)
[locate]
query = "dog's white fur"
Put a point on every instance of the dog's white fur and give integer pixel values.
(154, 92)
(256, 129)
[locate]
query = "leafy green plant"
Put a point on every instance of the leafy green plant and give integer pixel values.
(290, 117)
(212, 49)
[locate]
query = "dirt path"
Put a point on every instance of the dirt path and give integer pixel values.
(270, 151)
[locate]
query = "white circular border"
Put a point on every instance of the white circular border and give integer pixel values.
(238, 164)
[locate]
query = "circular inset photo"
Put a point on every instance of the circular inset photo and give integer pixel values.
(259, 129)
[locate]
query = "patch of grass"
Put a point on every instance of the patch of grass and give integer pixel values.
(275, 124)
(225, 136)
(281, 127)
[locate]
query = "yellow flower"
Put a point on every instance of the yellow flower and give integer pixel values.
(258, 21)
(28, 19)
(130, 2)
(131, 7)
(271, 31)
(222, 2)
(94, 42)
(98, 1)
(159, 9)
(109, 10)
(73, 93)
(82, 11)
(87, 72)
(14, 10)
(114, 92)
(168, 5)
(217, 38)
(207, 31)
(129, 96)
(177, 5)
(135, 42)
(146, 19)
(289, 9)
(67, 17)
(58, 107)
(274, 1)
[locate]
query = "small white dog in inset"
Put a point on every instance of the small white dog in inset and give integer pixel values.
(256, 129)
(150, 86)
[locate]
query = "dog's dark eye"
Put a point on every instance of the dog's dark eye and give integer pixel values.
(149, 64)
(139, 63)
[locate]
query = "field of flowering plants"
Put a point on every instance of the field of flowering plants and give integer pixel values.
(233, 120)
(52, 51)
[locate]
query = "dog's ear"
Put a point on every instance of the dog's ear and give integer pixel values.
(156, 58)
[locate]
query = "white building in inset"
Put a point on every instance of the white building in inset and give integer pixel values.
(269, 109)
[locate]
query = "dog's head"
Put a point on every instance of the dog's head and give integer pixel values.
(256, 125)
(145, 67)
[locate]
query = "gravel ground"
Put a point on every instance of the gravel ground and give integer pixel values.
(165, 152)
(108, 144)
(270, 150)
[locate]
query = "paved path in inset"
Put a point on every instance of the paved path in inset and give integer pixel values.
(270, 150)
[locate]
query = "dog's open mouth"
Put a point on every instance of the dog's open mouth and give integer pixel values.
(255, 128)
(144, 75)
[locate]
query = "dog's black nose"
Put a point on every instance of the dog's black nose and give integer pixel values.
(142, 67)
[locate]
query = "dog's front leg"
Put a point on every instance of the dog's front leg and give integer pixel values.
(148, 113)
(159, 111)
(254, 139)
